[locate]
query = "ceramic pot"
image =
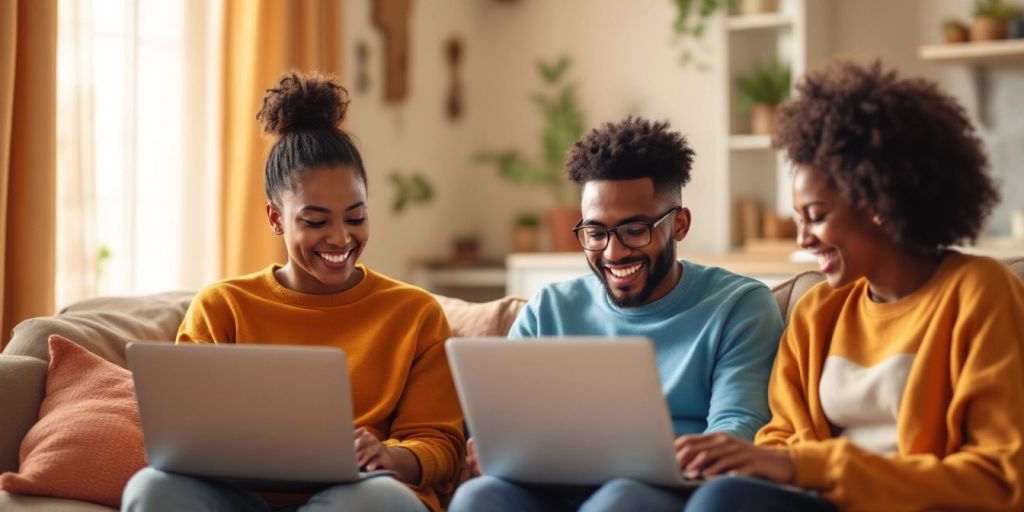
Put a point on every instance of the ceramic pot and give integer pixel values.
(525, 239)
(987, 28)
(560, 222)
(749, 7)
(762, 120)
(955, 34)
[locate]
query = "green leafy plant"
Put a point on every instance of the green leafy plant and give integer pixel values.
(563, 125)
(767, 83)
(995, 9)
(952, 24)
(412, 189)
(528, 219)
(691, 20)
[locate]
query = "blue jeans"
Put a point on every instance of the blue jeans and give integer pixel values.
(492, 494)
(742, 494)
(155, 490)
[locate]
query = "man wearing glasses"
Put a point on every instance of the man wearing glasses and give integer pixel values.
(715, 333)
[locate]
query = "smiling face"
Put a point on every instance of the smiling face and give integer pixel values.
(324, 222)
(846, 242)
(634, 276)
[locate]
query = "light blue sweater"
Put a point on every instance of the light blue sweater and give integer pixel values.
(715, 337)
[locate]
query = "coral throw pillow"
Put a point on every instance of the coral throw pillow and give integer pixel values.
(88, 441)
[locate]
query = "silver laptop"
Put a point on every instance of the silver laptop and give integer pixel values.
(271, 416)
(566, 410)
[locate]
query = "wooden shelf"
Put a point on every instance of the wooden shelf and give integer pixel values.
(750, 142)
(979, 52)
(759, 21)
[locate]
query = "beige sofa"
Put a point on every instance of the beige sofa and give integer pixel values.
(105, 325)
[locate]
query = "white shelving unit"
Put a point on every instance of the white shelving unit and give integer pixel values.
(974, 52)
(796, 35)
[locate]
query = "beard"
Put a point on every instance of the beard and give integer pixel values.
(657, 272)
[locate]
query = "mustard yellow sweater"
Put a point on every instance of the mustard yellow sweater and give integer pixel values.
(959, 424)
(393, 335)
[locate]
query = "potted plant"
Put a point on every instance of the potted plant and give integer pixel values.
(761, 92)
(691, 20)
(990, 19)
(412, 189)
(526, 233)
(752, 7)
(563, 126)
(953, 31)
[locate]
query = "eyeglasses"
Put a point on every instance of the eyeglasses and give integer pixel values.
(632, 234)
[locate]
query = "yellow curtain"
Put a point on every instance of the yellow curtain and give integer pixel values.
(262, 39)
(28, 142)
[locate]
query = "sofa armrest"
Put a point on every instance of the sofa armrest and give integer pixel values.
(22, 387)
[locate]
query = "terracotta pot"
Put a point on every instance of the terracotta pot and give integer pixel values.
(762, 119)
(987, 28)
(748, 7)
(954, 34)
(560, 222)
(525, 239)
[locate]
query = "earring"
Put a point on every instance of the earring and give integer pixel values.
(278, 230)
(877, 219)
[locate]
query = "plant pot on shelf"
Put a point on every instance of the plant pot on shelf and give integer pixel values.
(954, 32)
(750, 7)
(762, 118)
(988, 28)
(560, 222)
(525, 239)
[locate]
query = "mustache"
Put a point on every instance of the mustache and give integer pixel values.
(624, 261)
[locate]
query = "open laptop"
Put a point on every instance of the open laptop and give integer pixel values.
(566, 410)
(279, 417)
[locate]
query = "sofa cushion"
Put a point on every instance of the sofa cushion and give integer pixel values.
(469, 319)
(87, 442)
(104, 325)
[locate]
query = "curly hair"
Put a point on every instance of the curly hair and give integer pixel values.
(897, 147)
(631, 149)
(305, 112)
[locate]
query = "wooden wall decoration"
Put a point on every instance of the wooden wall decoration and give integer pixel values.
(362, 76)
(453, 54)
(391, 17)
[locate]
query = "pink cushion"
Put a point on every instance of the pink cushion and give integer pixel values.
(87, 442)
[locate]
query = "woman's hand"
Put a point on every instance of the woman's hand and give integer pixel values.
(471, 460)
(371, 455)
(710, 455)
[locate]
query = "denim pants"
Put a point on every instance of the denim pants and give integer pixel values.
(152, 490)
(492, 494)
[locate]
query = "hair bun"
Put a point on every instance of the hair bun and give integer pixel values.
(302, 101)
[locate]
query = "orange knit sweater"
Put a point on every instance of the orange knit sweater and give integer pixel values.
(960, 420)
(393, 335)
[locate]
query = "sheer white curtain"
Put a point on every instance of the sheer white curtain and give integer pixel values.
(138, 141)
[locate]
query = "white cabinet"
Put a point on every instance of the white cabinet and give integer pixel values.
(798, 36)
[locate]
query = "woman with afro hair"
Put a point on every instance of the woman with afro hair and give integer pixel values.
(404, 403)
(899, 382)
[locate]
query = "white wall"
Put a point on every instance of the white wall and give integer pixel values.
(625, 62)
(894, 30)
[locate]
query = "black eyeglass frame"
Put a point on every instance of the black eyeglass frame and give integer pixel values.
(649, 225)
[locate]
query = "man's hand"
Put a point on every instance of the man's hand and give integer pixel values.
(471, 460)
(710, 455)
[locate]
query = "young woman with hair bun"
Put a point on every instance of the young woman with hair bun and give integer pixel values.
(406, 410)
